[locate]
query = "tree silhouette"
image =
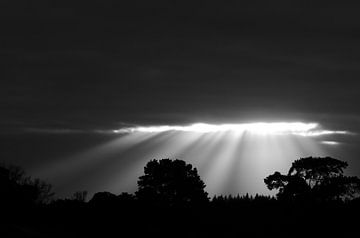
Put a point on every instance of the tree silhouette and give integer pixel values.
(293, 187)
(317, 170)
(19, 189)
(171, 182)
(319, 178)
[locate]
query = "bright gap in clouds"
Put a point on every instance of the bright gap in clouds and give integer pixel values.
(275, 128)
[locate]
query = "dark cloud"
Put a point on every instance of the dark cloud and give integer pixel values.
(85, 62)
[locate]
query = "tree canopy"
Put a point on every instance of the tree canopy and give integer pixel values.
(171, 182)
(317, 178)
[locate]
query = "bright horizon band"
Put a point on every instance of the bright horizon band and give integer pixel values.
(275, 128)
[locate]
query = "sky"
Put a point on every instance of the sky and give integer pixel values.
(74, 71)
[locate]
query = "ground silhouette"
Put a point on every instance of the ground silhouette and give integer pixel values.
(177, 189)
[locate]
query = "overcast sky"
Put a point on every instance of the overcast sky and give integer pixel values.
(71, 66)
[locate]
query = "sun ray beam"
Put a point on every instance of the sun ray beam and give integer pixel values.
(231, 158)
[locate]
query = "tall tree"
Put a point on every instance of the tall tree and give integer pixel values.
(171, 182)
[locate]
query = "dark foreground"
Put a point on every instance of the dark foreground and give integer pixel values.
(219, 218)
(313, 201)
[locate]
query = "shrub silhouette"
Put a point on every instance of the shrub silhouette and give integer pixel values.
(315, 178)
(171, 182)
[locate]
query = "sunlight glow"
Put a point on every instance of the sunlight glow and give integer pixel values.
(230, 158)
(274, 128)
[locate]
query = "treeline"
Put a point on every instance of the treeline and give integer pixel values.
(171, 201)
